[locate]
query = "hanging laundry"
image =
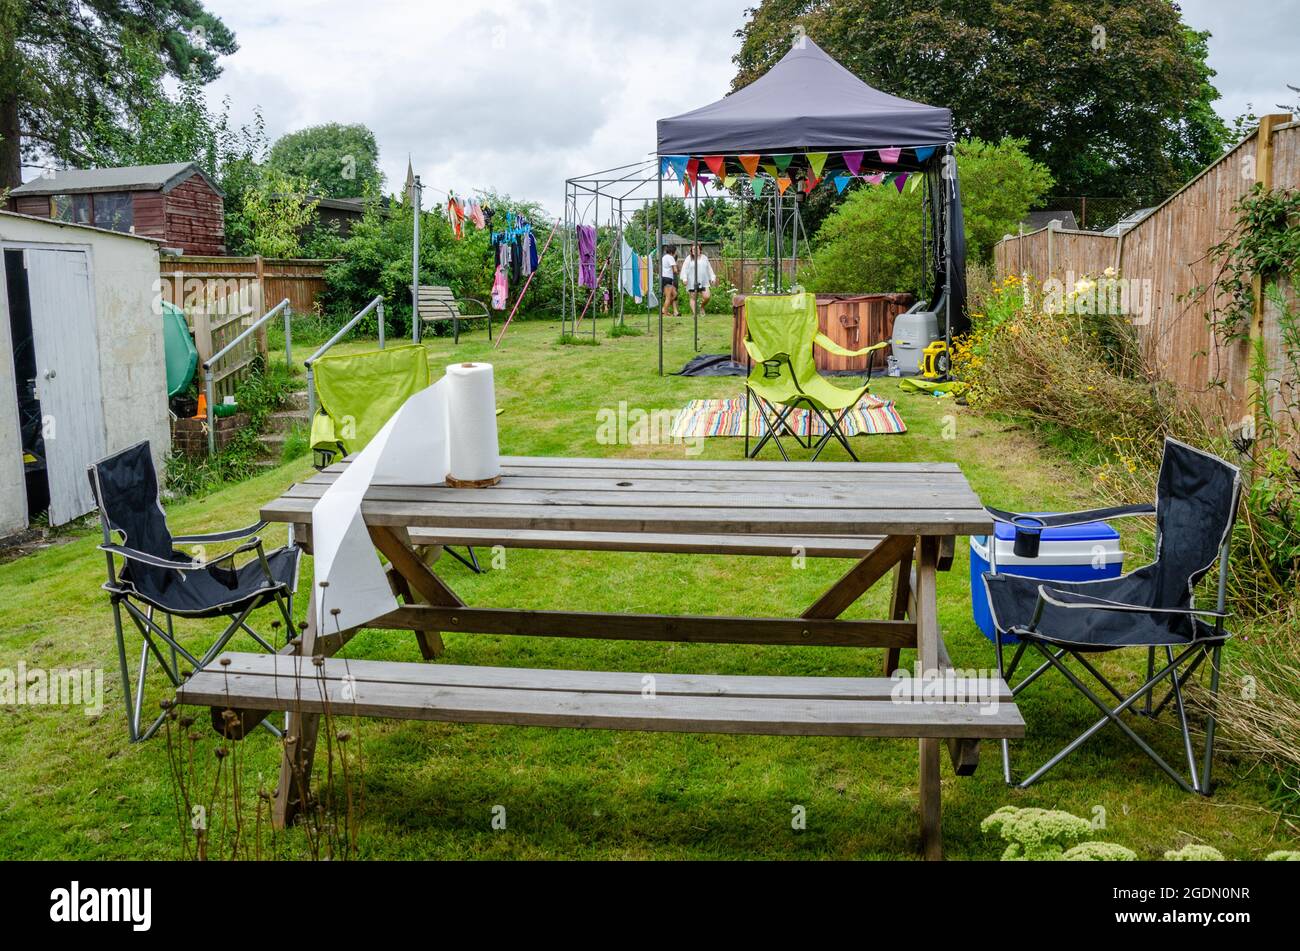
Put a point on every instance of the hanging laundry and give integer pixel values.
(532, 257)
(629, 275)
(586, 256)
(500, 289)
(456, 215)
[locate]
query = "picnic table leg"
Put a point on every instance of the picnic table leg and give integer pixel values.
(416, 573)
(927, 653)
(300, 732)
(899, 601)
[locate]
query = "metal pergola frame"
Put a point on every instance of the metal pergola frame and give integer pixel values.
(626, 185)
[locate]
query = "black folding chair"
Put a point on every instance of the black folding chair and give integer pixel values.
(155, 579)
(1152, 607)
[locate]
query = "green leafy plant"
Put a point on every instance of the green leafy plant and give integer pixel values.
(1036, 834)
(1194, 852)
(872, 241)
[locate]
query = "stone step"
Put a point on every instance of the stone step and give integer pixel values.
(297, 400)
(285, 420)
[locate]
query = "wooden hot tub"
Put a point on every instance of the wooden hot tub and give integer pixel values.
(853, 321)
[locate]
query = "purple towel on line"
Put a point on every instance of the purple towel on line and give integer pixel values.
(586, 256)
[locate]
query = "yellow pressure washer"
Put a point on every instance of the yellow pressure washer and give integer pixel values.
(934, 361)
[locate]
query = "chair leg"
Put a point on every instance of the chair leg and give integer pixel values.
(833, 429)
(126, 672)
(1006, 744)
(1111, 716)
(1151, 669)
(1215, 654)
(774, 425)
(1182, 722)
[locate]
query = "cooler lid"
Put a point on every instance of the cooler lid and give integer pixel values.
(1086, 532)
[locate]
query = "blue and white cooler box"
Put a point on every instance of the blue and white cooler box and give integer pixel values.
(1087, 552)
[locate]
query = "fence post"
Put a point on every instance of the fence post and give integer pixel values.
(379, 314)
(1264, 177)
(288, 335)
(211, 395)
(261, 303)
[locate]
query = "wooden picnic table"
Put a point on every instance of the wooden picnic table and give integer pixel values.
(893, 518)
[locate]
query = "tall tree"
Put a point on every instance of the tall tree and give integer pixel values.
(1114, 96)
(62, 64)
(343, 160)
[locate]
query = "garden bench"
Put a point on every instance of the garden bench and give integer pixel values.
(437, 302)
(897, 519)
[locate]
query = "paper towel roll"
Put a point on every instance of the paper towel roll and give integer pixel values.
(472, 425)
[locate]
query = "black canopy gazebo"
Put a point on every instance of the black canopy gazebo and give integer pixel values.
(810, 105)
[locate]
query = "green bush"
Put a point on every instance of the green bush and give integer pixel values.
(872, 242)
(376, 261)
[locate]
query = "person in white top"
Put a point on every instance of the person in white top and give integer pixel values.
(698, 275)
(668, 279)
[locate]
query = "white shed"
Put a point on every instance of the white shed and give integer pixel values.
(82, 366)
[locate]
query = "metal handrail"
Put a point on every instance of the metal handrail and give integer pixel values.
(377, 305)
(209, 386)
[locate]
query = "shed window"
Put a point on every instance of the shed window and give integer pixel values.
(113, 211)
(74, 208)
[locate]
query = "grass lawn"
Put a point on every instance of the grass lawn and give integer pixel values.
(74, 788)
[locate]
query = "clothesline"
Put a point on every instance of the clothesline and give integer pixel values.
(524, 290)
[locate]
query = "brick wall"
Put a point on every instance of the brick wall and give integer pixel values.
(190, 436)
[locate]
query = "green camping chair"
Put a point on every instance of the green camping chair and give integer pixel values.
(357, 393)
(781, 331)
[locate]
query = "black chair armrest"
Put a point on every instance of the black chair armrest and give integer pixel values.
(1071, 518)
(1074, 600)
(222, 536)
(131, 554)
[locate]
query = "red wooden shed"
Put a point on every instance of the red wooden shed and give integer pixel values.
(176, 203)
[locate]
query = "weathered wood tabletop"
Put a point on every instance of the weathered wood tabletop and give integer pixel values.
(677, 497)
(893, 518)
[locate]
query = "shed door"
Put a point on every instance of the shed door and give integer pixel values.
(67, 376)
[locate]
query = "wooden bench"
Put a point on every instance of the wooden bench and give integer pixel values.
(437, 302)
(579, 699)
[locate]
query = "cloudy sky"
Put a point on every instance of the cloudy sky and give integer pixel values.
(517, 95)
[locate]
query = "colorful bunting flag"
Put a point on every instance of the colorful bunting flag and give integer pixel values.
(853, 162)
(675, 163)
(782, 161)
(890, 156)
(809, 184)
(757, 185)
(692, 171)
(841, 183)
(782, 183)
(923, 154)
(817, 162)
(715, 163)
(770, 169)
(750, 164)
(876, 178)
(899, 181)
(916, 181)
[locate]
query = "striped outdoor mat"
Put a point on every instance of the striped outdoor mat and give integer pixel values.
(870, 417)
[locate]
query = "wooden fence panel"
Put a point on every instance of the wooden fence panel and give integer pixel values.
(1167, 253)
